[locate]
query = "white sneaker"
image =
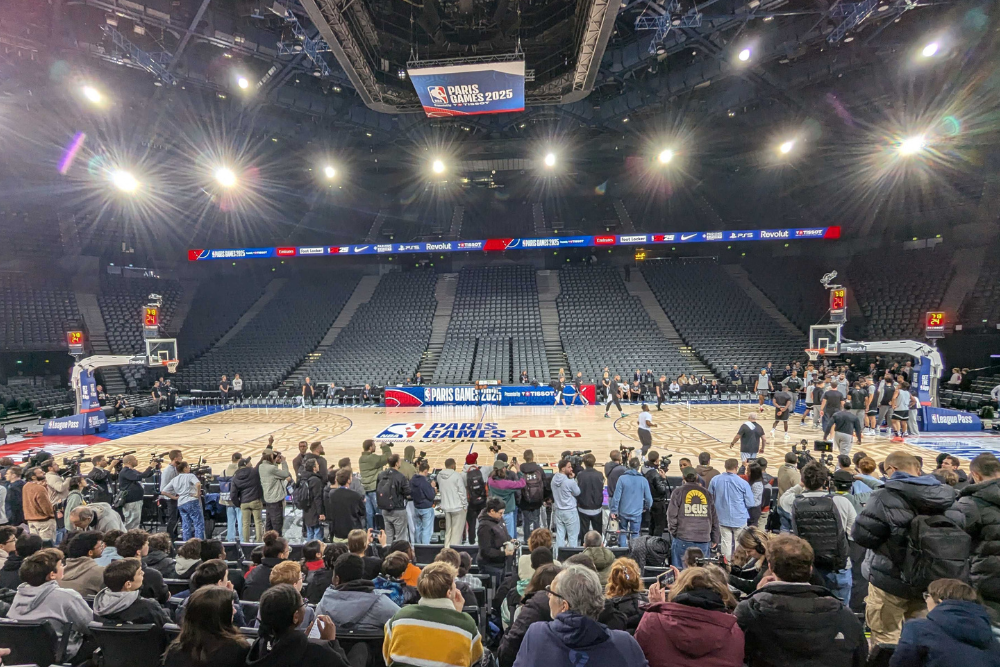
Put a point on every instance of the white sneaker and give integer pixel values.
(772, 432)
(786, 435)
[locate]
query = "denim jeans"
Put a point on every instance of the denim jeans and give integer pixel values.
(510, 519)
(530, 520)
(839, 582)
(314, 532)
(234, 523)
(192, 520)
(567, 528)
(678, 547)
(371, 507)
(628, 526)
(425, 525)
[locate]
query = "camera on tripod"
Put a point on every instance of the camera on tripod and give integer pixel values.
(823, 447)
(576, 457)
(626, 452)
(72, 464)
(495, 448)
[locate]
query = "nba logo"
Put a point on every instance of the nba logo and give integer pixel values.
(438, 96)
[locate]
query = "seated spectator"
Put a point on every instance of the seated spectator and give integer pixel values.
(624, 593)
(96, 516)
(533, 608)
(412, 571)
(120, 601)
(319, 580)
(211, 573)
(574, 636)
(540, 537)
(188, 558)
(289, 573)
(448, 555)
(649, 550)
(135, 544)
(391, 580)
(358, 542)
(8, 542)
(82, 573)
(749, 565)
(434, 631)
(275, 550)
(593, 543)
(788, 621)
(158, 558)
(312, 556)
(692, 626)
(581, 559)
(110, 552)
(352, 602)
(956, 631)
(215, 550)
(512, 592)
(474, 582)
(256, 555)
(40, 598)
(24, 546)
(281, 641)
(208, 636)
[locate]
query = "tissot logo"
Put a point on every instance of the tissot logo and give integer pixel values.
(604, 240)
(809, 232)
(311, 251)
(285, 252)
(776, 234)
(470, 245)
(439, 246)
(635, 238)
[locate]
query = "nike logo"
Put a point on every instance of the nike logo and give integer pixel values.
(685, 237)
(359, 248)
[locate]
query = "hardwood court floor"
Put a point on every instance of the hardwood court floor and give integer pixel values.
(453, 431)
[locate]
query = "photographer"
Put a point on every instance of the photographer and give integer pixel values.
(504, 482)
(656, 476)
(273, 471)
(614, 469)
(100, 477)
(122, 407)
(58, 485)
(174, 456)
(130, 491)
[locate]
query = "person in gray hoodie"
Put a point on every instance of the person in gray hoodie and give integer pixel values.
(274, 476)
(120, 600)
(454, 502)
(352, 602)
(564, 493)
(40, 598)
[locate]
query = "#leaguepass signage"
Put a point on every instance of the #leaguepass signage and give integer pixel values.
(465, 90)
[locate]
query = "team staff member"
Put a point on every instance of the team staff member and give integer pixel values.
(308, 391)
(661, 390)
(691, 518)
(833, 401)
(224, 388)
(844, 425)
(237, 387)
(614, 395)
(645, 423)
(751, 439)
(578, 385)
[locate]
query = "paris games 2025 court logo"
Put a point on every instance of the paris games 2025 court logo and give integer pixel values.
(399, 431)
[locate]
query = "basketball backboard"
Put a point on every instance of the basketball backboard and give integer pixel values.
(160, 351)
(825, 337)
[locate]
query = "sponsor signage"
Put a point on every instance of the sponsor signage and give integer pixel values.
(465, 90)
(943, 419)
(468, 395)
(503, 244)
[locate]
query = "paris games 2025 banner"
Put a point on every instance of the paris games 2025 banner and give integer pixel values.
(464, 90)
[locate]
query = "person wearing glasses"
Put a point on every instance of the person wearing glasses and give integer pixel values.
(8, 539)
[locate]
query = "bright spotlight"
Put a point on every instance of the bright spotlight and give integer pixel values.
(124, 181)
(329, 171)
(912, 145)
(744, 55)
(225, 177)
(92, 94)
(786, 147)
(550, 159)
(929, 50)
(437, 166)
(243, 83)
(666, 155)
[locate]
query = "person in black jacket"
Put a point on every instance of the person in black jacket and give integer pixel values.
(534, 608)
(788, 621)
(130, 481)
(614, 469)
(530, 510)
(158, 557)
(259, 579)
(281, 644)
(120, 600)
(215, 550)
(660, 491)
(392, 490)
(208, 636)
(344, 509)
(24, 546)
(883, 528)
(15, 487)
(422, 493)
(979, 504)
(101, 477)
(494, 544)
(591, 499)
(247, 493)
(312, 516)
(321, 579)
(135, 544)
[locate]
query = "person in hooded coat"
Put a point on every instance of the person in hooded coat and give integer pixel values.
(956, 631)
(281, 644)
(259, 579)
(533, 608)
(25, 545)
(352, 602)
(121, 601)
(692, 626)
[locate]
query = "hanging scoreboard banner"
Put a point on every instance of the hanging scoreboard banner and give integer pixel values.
(464, 90)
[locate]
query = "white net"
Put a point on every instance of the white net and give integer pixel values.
(172, 366)
(813, 353)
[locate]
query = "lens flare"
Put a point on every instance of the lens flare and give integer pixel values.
(225, 177)
(550, 159)
(912, 145)
(744, 55)
(124, 181)
(438, 167)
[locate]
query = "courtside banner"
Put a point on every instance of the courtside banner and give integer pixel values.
(522, 394)
(464, 90)
(504, 244)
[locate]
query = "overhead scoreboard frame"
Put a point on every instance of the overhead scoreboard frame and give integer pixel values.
(469, 86)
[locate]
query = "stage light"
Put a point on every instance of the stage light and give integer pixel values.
(329, 171)
(786, 147)
(225, 177)
(744, 55)
(437, 166)
(124, 181)
(666, 155)
(929, 50)
(93, 95)
(242, 82)
(912, 145)
(550, 159)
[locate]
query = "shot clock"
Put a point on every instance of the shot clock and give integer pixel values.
(74, 340)
(934, 324)
(838, 305)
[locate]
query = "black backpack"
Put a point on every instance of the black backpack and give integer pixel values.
(385, 492)
(817, 521)
(476, 487)
(936, 548)
(302, 496)
(534, 488)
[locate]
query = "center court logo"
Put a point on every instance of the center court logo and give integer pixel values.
(438, 94)
(401, 431)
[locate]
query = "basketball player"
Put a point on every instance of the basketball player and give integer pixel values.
(784, 405)
(614, 395)
(764, 387)
(900, 411)
(645, 423)
(885, 394)
(237, 388)
(578, 385)
(562, 385)
(871, 406)
(751, 439)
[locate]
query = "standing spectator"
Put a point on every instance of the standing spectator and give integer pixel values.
(247, 495)
(788, 474)
(393, 490)
(504, 483)
(956, 631)
(237, 388)
(705, 469)
(13, 502)
(24, 546)
(186, 489)
(344, 508)
(564, 493)
(370, 465)
(82, 573)
(454, 502)
(883, 528)
(208, 636)
(313, 516)
(475, 488)
(632, 498)
(574, 636)
(751, 439)
(299, 458)
(613, 469)
(733, 498)
(274, 476)
(130, 481)
(38, 511)
(692, 625)
(979, 504)
(656, 477)
(315, 453)
(234, 517)
(352, 601)
(788, 621)
(590, 502)
(174, 456)
(258, 579)
(691, 518)
(494, 546)
(533, 494)
(422, 491)
(603, 557)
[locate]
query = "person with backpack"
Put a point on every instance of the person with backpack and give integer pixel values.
(369, 466)
(392, 490)
(475, 486)
(824, 520)
(979, 504)
(532, 495)
(912, 541)
(308, 497)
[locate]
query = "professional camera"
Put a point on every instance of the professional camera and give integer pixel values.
(824, 447)
(420, 459)
(665, 463)
(576, 457)
(495, 448)
(72, 464)
(717, 560)
(626, 452)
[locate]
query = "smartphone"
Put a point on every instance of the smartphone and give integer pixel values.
(666, 579)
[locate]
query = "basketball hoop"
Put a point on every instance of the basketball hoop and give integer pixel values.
(171, 365)
(814, 352)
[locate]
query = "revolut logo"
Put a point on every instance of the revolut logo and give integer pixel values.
(778, 234)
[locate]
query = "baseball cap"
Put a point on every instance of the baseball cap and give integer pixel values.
(688, 470)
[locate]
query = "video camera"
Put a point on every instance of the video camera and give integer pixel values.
(626, 452)
(665, 463)
(824, 447)
(72, 464)
(717, 560)
(420, 459)
(495, 448)
(576, 457)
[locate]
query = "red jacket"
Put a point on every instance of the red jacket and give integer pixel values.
(678, 635)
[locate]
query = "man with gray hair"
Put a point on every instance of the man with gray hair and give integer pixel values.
(97, 516)
(574, 636)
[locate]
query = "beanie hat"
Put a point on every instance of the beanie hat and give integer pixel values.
(471, 458)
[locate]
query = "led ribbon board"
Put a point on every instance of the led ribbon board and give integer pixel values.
(465, 90)
(500, 245)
